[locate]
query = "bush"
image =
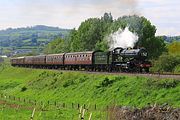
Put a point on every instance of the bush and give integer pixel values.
(166, 63)
(165, 83)
(23, 89)
(68, 83)
(105, 83)
(177, 69)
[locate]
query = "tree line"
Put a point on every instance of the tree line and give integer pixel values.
(92, 34)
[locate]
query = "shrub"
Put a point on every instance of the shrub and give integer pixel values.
(166, 83)
(68, 83)
(105, 83)
(177, 69)
(23, 89)
(166, 63)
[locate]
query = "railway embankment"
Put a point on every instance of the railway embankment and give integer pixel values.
(84, 88)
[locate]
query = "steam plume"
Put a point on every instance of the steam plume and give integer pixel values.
(122, 38)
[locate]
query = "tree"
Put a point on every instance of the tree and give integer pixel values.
(155, 46)
(174, 48)
(75, 43)
(145, 31)
(90, 35)
(56, 46)
(107, 17)
(34, 39)
(167, 63)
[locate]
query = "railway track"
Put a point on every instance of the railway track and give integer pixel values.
(156, 75)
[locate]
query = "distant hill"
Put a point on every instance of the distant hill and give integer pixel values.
(170, 39)
(29, 37)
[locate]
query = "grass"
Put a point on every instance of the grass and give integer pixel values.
(89, 89)
(8, 113)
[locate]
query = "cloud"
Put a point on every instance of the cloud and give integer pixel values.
(66, 14)
(70, 13)
(164, 14)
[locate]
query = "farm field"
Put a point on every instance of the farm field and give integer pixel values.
(64, 93)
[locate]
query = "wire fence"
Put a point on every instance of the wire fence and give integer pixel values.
(49, 103)
(47, 108)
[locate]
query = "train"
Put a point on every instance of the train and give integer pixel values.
(118, 60)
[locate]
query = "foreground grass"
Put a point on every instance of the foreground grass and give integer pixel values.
(89, 89)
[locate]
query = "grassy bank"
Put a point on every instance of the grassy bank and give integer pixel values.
(89, 89)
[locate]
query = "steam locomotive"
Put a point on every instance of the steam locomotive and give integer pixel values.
(118, 59)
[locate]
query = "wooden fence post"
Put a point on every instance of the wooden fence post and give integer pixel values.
(72, 105)
(84, 106)
(63, 105)
(80, 114)
(78, 105)
(5, 96)
(107, 112)
(83, 113)
(32, 116)
(90, 116)
(34, 102)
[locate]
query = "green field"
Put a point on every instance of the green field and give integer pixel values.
(83, 88)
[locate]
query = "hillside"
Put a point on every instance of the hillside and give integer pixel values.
(170, 39)
(28, 38)
(89, 89)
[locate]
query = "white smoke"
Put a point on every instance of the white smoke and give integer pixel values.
(122, 38)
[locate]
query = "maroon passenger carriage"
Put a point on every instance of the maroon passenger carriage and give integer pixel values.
(35, 61)
(19, 61)
(55, 61)
(78, 60)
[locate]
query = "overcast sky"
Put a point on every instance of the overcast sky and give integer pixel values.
(164, 14)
